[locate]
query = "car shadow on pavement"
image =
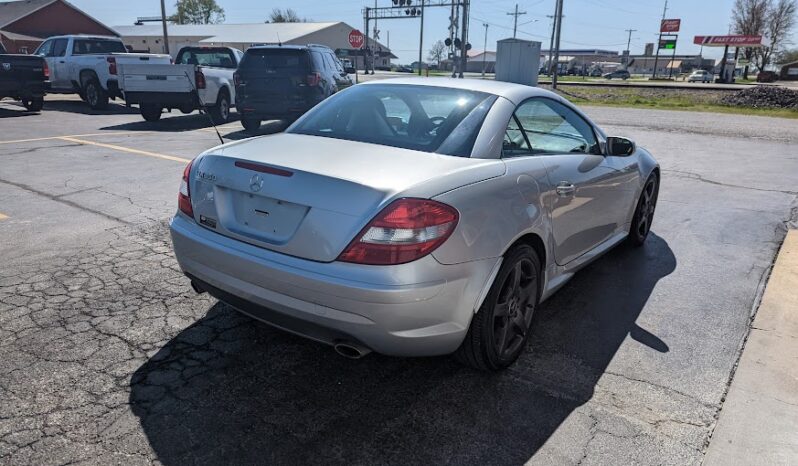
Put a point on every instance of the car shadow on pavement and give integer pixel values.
(231, 130)
(231, 390)
(78, 106)
(11, 109)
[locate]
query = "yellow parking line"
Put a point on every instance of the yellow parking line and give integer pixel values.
(15, 141)
(125, 149)
(3, 216)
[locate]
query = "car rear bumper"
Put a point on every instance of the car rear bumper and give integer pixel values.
(163, 99)
(24, 89)
(422, 308)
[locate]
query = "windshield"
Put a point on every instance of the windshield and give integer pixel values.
(275, 60)
(214, 58)
(423, 118)
(97, 46)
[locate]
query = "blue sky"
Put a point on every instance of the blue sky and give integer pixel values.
(587, 23)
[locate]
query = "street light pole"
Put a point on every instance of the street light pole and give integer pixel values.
(421, 39)
(485, 50)
(165, 33)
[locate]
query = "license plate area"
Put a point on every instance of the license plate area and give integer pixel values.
(264, 218)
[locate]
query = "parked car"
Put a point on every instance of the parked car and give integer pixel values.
(413, 217)
(700, 76)
(202, 77)
(24, 78)
(619, 74)
(282, 82)
(88, 66)
(767, 77)
(595, 73)
(404, 69)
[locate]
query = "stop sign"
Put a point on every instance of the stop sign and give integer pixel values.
(356, 39)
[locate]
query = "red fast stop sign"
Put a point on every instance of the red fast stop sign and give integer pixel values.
(356, 39)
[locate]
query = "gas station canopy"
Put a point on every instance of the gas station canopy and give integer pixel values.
(731, 41)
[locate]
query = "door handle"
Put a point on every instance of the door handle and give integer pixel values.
(565, 188)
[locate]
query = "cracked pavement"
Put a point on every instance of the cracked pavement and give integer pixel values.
(108, 357)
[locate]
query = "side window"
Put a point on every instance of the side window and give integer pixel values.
(59, 47)
(336, 65)
(551, 127)
(515, 144)
(397, 113)
(45, 49)
(318, 60)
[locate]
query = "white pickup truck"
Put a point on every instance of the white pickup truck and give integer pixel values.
(202, 77)
(88, 66)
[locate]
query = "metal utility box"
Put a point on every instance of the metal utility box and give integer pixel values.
(518, 61)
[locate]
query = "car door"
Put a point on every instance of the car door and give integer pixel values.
(59, 71)
(587, 199)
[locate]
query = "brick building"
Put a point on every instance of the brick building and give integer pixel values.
(24, 24)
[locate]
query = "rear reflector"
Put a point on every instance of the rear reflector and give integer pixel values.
(264, 169)
(184, 196)
(406, 230)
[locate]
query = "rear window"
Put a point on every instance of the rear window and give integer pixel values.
(423, 118)
(214, 58)
(275, 61)
(97, 47)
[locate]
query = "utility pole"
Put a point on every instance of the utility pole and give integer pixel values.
(485, 50)
(656, 56)
(421, 39)
(464, 38)
(551, 44)
(515, 20)
(629, 44)
(165, 34)
(558, 22)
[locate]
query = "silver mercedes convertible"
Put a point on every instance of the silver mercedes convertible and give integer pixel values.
(413, 217)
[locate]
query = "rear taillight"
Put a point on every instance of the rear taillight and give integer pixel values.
(111, 65)
(46, 70)
(236, 79)
(200, 78)
(406, 230)
(184, 197)
(314, 79)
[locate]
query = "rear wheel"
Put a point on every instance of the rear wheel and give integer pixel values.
(644, 213)
(250, 124)
(151, 112)
(220, 113)
(33, 105)
(96, 97)
(499, 331)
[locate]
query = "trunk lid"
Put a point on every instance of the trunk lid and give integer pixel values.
(274, 76)
(15, 70)
(309, 196)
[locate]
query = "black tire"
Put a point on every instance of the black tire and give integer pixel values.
(33, 105)
(220, 113)
(644, 212)
(250, 124)
(508, 307)
(151, 112)
(96, 96)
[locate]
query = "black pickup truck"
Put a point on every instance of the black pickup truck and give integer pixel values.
(23, 77)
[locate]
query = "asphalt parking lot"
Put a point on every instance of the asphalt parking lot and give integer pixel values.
(107, 356)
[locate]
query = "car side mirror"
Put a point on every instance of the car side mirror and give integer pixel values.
(620, 147)
(350, 70)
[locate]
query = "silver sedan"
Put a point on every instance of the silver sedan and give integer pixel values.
(413, 217)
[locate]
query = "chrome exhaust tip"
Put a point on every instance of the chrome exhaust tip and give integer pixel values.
(350, 350)
(196, 287)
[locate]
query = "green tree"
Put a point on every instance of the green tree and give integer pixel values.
(197, 12)
(285, 16)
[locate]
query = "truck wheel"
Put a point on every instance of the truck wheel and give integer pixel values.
(250, 124)
(96, 97)
(151, 112)
(33, 105)
(220, 113)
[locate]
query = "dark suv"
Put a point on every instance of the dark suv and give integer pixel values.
(282, 82)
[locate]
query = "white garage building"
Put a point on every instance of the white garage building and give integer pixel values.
(149, 37)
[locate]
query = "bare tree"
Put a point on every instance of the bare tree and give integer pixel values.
(197, 12)
(781, 21)
(437, 52)
(748, 18)
(288, 15)
(786, 56)
(773, 19)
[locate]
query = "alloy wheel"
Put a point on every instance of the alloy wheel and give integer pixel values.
(514, 308)
(648, 202)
